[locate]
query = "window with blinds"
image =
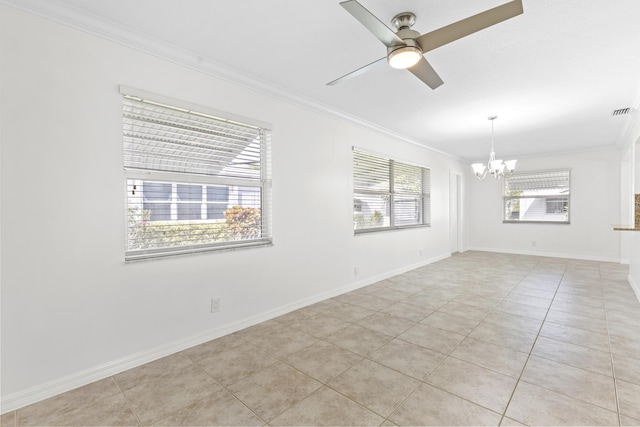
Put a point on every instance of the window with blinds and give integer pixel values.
(195, 181)
(388, 194)
(537, 197)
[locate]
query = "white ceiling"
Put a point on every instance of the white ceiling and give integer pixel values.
(552, 75)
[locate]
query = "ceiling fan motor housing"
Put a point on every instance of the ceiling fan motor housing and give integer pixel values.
(403, 23)
(408, 36)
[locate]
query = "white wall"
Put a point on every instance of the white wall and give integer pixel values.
(631, 239)
(627, 199)
(595, 206)
(72, 310)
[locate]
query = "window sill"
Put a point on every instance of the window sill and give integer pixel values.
(151, 255)
(537, 222)
(379, 229)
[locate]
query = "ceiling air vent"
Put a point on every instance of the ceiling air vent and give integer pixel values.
(621, 111)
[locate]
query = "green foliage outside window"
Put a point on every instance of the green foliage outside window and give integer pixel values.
(241, 223)
(374, 220)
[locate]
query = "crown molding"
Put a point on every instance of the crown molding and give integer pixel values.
(81, 20)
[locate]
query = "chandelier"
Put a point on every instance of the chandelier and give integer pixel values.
(497, 168)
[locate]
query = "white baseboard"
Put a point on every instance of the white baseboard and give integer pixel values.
(43, 391)
(549, 254)
(387, 274)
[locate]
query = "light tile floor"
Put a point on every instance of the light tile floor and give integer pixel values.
(476, 339)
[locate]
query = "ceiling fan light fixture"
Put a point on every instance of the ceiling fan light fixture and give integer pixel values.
(406, 46)
(404, 57)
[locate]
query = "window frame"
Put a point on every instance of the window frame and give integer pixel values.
(546, 197)
(392, 193)
(204, 180)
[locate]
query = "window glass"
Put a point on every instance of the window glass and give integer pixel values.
(407, 210)
(157, 200)
(388, 194)
(373, 211)
(189, 201)
(217, 201)
(195, 181)
(542, 196)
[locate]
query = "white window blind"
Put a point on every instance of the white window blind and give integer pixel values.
(194, 181)
(162, 138)
(542, 196)
(388, 194)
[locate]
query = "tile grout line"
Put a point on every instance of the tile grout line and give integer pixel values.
(504, 414)
(367, 357)
(226, 389)
(613, 369)
(325, 384)
(126, 399)
(530, 352)
(420, 384)
(493, 309)
(423, 380)
(558, 291)
(283, 360)
(15, 417)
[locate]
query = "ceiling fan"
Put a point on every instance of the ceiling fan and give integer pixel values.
(406, 47)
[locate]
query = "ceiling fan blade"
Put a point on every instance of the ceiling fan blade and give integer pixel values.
(425, 72)
(373, 24)
(359, 71)
(470, 25)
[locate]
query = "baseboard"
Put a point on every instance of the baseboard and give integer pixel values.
(44, 391)
(549, 254)
(373, 279)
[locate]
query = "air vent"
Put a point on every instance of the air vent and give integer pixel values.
(621, 111)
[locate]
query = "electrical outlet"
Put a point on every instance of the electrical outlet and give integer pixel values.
(355, 271)
(215, 305)
(534, 243)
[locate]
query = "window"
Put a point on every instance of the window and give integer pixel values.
(194, 181)
(557, 205)
(388, 194)
(537, 197)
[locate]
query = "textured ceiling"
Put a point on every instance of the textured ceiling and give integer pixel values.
(552, 75)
